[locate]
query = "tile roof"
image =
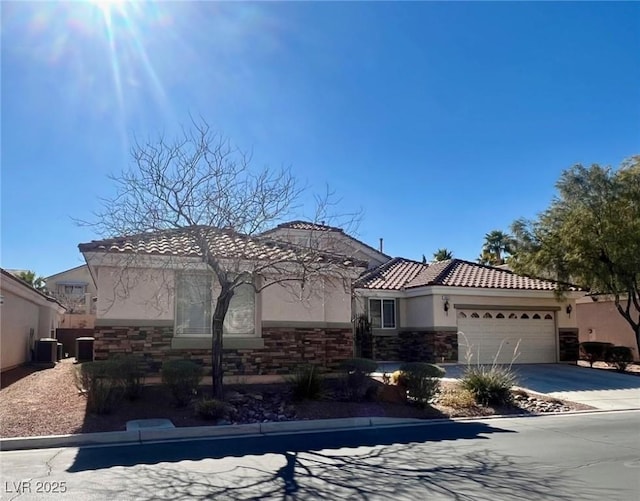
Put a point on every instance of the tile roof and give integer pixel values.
(401, 274)
(306, 225)
(222, 243)
(392, 275)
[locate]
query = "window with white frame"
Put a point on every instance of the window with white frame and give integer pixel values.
(382, 313)
(194, 307)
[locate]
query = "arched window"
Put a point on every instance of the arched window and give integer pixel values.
(462, 315)
(475, 315)
(536, 317)
(548, 317)
(525, 316)
(487, 315)
(499, 315)
(513, 315)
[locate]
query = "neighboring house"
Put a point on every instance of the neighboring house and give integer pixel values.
(449, 310)
(155, 295)
(26, 315)
(328, 238)
(75, 289)
(599, 320)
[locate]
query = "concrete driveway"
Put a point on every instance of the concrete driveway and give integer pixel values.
(602, 389)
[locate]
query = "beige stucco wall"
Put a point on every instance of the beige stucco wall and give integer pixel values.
(135, 293)
(427, 311)
(80, 274)
(23, 310)
(17, 318)
(77, 321)
(601, 321)
(148, 294)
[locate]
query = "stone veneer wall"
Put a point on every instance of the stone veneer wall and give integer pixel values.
(285, 348)
(418, 346)
(569, 345)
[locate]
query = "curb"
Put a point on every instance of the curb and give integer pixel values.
(139, 437)
(148, 436)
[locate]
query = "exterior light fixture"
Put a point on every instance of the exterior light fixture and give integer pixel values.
(569, 309)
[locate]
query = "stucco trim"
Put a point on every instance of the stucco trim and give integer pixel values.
(204, 343)
(124, 322)
(266, 324)
(505, 307)
(385, 332)
(434, 328)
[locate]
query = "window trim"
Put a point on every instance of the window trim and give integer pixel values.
(228, 339)
(395, 313)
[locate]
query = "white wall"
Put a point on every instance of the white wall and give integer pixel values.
(80, 274)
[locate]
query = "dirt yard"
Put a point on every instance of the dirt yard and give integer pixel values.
(45, 401)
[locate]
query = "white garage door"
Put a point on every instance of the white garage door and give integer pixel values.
(487, 333)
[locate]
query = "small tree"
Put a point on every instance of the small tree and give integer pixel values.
(201, 185)
(442, 255)
(590, 235)
(35, 281)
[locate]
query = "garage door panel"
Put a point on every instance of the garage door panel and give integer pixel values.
(532, 339)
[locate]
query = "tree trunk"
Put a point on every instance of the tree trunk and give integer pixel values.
(217, 324)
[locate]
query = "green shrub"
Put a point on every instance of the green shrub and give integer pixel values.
(490, 385)
(211, 409)
(457, 398)
(356, 377)
(594, 351)
(422, 380)
(99, 381)
(306, 383)
(131, 370)
(619, 356)
(182, 377)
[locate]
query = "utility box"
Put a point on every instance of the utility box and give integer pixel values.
(46, 350)
(84, 349)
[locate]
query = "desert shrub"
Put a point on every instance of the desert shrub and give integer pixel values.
(182, 378)
(211, 409)
(131, 372)
(422, 380)
(619, 356)
(457, 398)
(490, 385)
(99, 381)
(594, 351)
(306, 383)
(356, 377)
(399, 378)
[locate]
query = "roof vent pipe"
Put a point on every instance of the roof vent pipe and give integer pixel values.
(381, 240)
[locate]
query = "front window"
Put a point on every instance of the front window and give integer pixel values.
(194, 307)
(193, 304)
(382, 313)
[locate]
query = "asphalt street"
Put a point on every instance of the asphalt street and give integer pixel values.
(578, 457)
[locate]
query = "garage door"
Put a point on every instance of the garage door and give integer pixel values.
(485, 334)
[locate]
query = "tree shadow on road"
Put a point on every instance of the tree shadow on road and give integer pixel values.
(89, 458)
(398, 471)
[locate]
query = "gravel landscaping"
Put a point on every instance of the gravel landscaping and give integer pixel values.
(45, 401)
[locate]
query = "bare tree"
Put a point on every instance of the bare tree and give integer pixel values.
(207, 189)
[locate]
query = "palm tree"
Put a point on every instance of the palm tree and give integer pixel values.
(442, 255)
(32, 279)
(496, 243)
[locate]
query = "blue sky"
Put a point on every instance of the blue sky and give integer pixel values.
(442, 121)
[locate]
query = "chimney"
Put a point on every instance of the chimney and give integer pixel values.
(381, 240)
